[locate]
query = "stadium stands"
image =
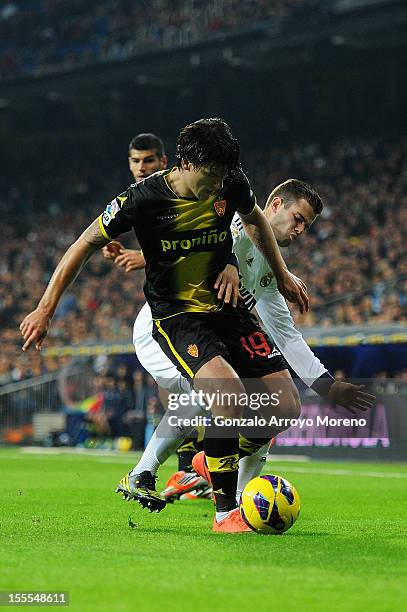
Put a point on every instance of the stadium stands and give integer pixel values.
(49, 36)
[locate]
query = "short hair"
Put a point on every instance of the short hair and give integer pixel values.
(208, 142)
(294, 189)
(147, 142)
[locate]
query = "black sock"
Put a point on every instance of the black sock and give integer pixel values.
(186, 452)
(200, 435)
(222, 458)
(248, 446)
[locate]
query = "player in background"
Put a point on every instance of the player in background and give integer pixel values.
(291, 209)
(146, 155)
(182, 220)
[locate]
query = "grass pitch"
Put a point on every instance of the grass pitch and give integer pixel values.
(63, 529)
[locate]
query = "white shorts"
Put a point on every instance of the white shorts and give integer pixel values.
(153, 359)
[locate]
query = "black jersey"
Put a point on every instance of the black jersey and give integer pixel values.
(186, 242)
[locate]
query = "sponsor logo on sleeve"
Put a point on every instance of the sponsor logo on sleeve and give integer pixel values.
(110, 212)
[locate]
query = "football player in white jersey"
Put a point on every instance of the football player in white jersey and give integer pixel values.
(291, 208)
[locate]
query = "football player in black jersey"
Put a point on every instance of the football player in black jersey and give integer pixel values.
(182, 220)
(146, 155)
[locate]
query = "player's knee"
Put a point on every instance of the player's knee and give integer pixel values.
(230, 395)
(290, 407)
(296, 402)
(295, 407)
(233, 412)
(226, 399)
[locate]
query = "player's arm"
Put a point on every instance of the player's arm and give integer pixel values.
(260, 233)
(276, 318)
(119, 217)
(35, 326)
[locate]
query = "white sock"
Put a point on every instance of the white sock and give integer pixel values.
(155, 453)
(250, 467)
(166, 438)
(221, 515)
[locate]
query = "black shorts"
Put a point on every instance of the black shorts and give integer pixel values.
(192, 339)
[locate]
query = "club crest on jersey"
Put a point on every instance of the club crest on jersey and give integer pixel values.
(266, 280)
(193, 350)
(220, 207)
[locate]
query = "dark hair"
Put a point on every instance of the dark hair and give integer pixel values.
(144, 142)
(208, 142)
(293, 189)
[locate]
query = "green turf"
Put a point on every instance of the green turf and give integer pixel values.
(62, 528)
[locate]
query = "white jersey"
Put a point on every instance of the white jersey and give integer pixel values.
(259, 290)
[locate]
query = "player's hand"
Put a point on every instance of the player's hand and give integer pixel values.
(294, 290)
(130, 260)
(350, 396)
(34, 328)
(112, 250)
(227, 284)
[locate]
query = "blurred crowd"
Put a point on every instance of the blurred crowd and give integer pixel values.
(355, 257)
(353, 260)
(123, 403)
(107, 401)
(127, 407)
(48, 36)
